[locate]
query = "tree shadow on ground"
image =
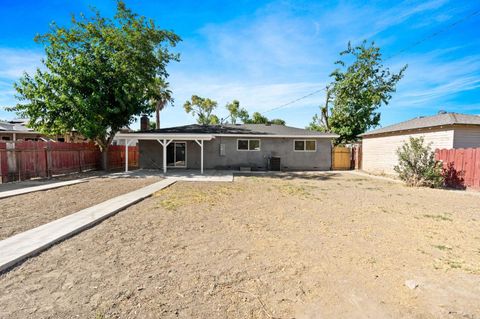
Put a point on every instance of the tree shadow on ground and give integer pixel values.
(316, 176)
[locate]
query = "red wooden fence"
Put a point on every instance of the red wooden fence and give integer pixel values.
(30, 159)
(116, 156)
(461, 166)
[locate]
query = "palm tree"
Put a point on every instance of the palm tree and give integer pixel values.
(164, 96)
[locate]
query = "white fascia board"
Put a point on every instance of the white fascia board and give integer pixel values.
(156, 136)
(277, 136)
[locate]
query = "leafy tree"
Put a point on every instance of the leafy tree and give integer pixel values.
(356, 93)
(99, 74)
(236, 112)
(417, 165)
(258, 118)
(202, 108)
(152, 125)
(164, 96)
(277, 121)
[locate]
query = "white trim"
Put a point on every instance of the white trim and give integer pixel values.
(208, 137)
(250, 139)
(157, 136)
(175, 154)
(275, 136)
(305, 145)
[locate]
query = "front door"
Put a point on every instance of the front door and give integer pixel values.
(177, 154)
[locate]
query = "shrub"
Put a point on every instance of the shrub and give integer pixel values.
(417, 165)
(452, 177)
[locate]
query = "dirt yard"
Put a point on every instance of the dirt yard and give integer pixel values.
(24, 212)
(314, 246)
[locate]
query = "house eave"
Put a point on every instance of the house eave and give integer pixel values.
(160, 136)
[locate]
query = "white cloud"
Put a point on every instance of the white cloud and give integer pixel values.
(434, 78)
(16, 61)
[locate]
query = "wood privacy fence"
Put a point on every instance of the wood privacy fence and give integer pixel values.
(31, 159)
(461, 167)
(341, 158)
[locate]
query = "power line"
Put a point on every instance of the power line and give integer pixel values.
(434, 34)
(417, 43)
(293, 101)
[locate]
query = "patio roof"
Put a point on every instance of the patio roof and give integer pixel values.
(160, 136)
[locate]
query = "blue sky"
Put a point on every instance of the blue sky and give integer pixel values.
(266, 54)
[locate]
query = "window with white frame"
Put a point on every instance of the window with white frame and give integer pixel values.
(248, 145)
(305, 145)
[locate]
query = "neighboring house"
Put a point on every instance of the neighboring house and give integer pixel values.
(249, 146)
(17, 130)
(444, 130)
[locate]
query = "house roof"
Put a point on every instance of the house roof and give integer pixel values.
(15, 126)
(442, 119)
(240, 129)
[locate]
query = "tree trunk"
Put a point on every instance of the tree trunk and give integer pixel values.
(104, 159)
(157, 122)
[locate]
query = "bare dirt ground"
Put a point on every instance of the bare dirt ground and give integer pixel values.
(318, 246)
(24, 212)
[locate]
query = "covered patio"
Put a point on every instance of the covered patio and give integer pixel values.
(164, 140)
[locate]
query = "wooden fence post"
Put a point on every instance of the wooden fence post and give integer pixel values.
(48, 160)
(79, 160)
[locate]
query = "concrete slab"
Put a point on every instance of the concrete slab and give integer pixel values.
(181, 175)
(21, 246)
(196, 176)
(42, 187)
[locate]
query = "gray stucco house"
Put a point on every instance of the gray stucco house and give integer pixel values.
(232, 146)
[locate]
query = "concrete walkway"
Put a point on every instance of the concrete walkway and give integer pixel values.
(21, 246)
(45, 186)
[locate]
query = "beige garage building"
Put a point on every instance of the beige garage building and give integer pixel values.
(444, 130)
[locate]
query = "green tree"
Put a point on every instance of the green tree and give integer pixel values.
(152, 125)
(258, 118)
(164, 96)
(202, 108)
(236, 112)
(99, 73)
(356, 92)
(417, 165)
(277, 121)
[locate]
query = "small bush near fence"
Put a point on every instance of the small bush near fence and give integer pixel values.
(31, 159)
(417, 165)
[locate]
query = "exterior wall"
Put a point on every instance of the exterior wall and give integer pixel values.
(379, 152)
(151, 155)
(466, 137)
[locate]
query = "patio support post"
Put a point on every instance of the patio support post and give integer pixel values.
(127, 143)
(164, 156)
(164, 144)
(200, 143)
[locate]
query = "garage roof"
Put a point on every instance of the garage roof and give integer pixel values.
(442, 119)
